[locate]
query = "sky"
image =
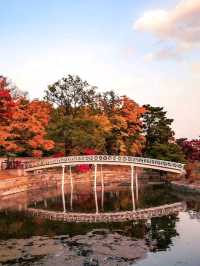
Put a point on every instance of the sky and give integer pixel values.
(147, 50)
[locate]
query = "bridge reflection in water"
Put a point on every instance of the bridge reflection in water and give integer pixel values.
(145, 214)
(96, 160)
(68, 215)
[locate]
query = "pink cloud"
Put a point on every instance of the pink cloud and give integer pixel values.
(166, 53)
(181, 24)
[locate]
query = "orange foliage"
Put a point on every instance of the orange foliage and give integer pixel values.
(6, 102)
(132, 113)
(126, 120)
(37, 153)
(103, 121)
(123, 125)
(23, 124)
(26, 128)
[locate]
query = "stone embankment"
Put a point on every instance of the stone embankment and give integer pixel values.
(12, 182)
(144, 214)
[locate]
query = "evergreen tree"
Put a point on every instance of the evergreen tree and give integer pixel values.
(159, 135)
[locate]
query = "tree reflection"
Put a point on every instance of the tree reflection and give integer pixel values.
(158, 232)
(161, 231)
(156, 195)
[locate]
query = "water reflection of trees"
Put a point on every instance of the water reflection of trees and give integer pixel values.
(193, 203)
(84, 202)
(156, 195)
(115, 200)
(161, 232)
(194, 209)
(158, 232)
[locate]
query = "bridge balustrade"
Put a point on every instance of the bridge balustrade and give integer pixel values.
(126, 160)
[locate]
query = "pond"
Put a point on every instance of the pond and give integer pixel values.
(166, 240)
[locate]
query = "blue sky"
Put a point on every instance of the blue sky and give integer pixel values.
(148, 50)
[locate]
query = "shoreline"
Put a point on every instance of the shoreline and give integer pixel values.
(186, 187)
(12, 182)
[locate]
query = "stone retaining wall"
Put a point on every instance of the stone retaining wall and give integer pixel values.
(12, 181)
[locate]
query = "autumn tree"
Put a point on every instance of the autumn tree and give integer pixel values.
(70, 94)
(72, 98)
(6, 112)
(191, 148)
(84, 119)
(73, 135)
(23, 123)
(108, 103)
(124, 115)
(6, 101)
(29, 125)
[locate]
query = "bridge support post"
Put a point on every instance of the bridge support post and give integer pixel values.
(72, 187)
(95, 188)
(136, 183)
(132, 187)
(45, 203)
(102, 189)
(63, 188)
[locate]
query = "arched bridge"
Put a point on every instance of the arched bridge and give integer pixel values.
(107, 159)
(133, 162)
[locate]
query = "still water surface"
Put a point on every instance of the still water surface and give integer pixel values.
(169, 240)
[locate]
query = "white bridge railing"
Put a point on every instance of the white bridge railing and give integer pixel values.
(108, 159)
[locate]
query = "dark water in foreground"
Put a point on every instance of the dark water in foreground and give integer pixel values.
(169, 240)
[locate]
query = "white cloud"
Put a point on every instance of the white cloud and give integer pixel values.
(155, 21)
(180, 25)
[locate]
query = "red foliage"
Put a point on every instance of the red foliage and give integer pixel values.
(4, 93)
(89, 151)
(82, 168)
(37, 153)
(58, 154)
(6, 101)
(191, 148)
